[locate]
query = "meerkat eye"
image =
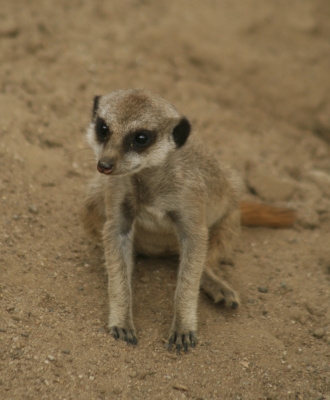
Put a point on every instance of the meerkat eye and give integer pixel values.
(102, 129)
(141, 138)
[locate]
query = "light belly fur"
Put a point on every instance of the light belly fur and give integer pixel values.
(155, 234)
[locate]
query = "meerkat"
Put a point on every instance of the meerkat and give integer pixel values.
(158, 192)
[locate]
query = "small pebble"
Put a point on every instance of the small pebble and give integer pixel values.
(33, 209)
(178, 386)
(117, 390)
(303, 319)
(319, 333)
(142, 375)
(51, 358)
(9, 28)
(58, 364)
(171, 356)
(314, 310)
(245, 364)
(66, 351)
(294, 240)
(262, 289)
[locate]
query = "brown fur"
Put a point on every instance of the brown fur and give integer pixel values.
(171, 198)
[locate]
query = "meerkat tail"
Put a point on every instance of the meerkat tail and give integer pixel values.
(256, 214)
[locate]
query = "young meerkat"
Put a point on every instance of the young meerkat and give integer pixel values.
(158, 192)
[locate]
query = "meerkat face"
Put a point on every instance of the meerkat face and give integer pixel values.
(134, 129)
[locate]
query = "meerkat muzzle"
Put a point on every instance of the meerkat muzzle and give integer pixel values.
(105, 167)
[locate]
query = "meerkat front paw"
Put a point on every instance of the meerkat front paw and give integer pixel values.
(128, 335)
(182, 341)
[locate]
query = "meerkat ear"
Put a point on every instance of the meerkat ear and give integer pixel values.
(181, 132)
(95, 105)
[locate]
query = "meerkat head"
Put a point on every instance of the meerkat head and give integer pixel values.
(134, 129)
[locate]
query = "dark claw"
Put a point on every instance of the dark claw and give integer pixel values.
(193, 339)
(234, 305)
(114, 333)
(124, 334)
(132, 341)
(185, 347)
(182, 342)
(171, 341)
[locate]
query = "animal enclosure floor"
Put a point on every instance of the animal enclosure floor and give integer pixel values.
(253, 78)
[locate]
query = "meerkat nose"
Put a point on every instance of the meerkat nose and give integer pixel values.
(105, 167)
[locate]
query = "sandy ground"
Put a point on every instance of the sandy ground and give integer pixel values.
(253, 78)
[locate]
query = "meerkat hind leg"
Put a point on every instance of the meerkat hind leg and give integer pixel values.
(221, 236)
(93, 215)
(218, 290)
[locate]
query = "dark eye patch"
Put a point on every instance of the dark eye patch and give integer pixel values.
(139, 141)
(102, 130)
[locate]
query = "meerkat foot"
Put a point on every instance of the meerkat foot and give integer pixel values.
(182, 341)
(128, 335)
(218, 290)
(229, 298)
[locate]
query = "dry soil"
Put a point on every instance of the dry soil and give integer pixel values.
(253, 78)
